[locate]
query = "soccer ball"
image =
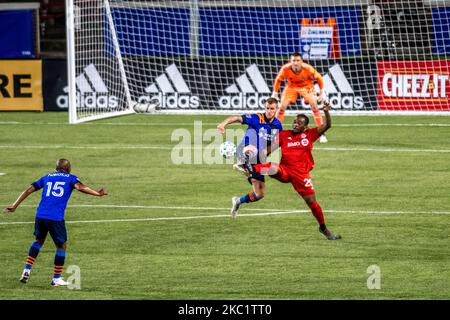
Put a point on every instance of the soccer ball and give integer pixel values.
(148, 107)
(227, 149)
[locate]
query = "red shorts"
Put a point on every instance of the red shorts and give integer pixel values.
(300, 181)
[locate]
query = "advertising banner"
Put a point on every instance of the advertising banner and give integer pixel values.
(315, 41)
(54, 85)
(17, 34)
(21, 85)
(243, 84)
(319, 39)
(414, 85)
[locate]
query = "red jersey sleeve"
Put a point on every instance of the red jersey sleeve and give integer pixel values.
(280, 138)
(314, 134)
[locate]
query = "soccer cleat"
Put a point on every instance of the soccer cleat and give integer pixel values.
(243, 169)
(235, 206)
(323, 139)
(25, 276)
(330, 236)
(56, 282)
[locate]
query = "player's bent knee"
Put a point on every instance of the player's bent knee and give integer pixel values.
(309, 199)
(62, 246)
(260, 195)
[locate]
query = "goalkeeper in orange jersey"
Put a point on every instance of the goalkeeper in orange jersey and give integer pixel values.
(300, 78)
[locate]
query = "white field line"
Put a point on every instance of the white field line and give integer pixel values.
(114, 206)
(266, 213)
(384, 150)
(168, 207)
(158, 147)
(167, 147)
(172, 124)
(106, 206)
(161, 218)
(392, 125)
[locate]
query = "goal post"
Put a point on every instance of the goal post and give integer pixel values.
(97, 83)
(205, 56)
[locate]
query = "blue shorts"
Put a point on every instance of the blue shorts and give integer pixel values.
(256, 176)
(57, 230)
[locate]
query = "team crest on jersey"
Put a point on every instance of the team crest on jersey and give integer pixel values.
(305, 142)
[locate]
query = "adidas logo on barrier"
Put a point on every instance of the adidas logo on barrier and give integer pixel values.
(171, 91)
(342, 97)
(250, 92)
(91, 91)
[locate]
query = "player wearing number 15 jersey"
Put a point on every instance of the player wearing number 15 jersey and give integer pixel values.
(57, 189)
(297, 161)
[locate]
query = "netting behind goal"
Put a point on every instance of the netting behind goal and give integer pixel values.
(198, 56)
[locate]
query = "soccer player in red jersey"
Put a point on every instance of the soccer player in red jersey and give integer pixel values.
(297, 162)
(300, 78)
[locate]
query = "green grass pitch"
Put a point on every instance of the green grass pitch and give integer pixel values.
(383, 183)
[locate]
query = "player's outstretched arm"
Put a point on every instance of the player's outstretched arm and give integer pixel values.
(85, 189)
(23, 196)
(327, 123)
(277, 84)
(232, 119)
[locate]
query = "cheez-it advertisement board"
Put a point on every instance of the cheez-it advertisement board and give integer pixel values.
(414, 85)
(21, 85)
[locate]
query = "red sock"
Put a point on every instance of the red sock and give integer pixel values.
(262, 168)
(317, 212)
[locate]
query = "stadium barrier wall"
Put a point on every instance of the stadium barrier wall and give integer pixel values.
(21, 85)
(258, 35)
(352, 84)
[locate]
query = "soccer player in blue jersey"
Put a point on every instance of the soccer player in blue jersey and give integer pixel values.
(57, 189)
(255, 147)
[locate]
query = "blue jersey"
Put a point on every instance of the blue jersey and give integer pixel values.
(57, 188)
(260, 132)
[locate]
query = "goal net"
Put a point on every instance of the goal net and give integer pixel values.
(197, 56)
